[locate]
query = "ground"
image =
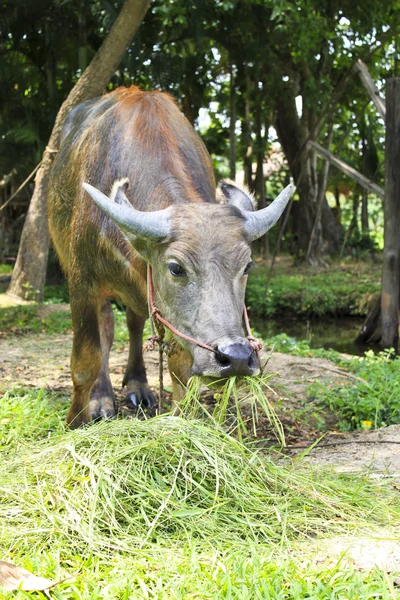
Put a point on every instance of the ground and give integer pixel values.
(42, 361)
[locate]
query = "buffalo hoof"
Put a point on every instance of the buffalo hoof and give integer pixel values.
(102, 408)
(139, 395)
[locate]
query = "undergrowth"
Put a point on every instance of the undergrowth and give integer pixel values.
(22, 320)
(174, 508)
(33, 318)
(313, 294)
(5, 269)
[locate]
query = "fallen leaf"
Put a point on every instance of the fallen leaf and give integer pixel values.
(14, 578)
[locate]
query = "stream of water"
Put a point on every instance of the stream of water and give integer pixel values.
(338, 334)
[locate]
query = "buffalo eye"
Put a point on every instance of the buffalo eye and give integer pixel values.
(176, 270)
(248, 267)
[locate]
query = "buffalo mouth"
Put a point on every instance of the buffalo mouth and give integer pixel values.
(231, 359)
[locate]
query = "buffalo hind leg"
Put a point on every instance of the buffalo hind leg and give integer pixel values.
(138, 392)
(87, 357)
(102, 399)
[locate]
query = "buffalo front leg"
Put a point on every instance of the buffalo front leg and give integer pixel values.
(87, 359)
(138, 392)
(102, 399)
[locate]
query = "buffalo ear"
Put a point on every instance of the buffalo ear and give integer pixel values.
(237, 197)
(118, 192)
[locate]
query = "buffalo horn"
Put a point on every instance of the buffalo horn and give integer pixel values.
(259, 222)
(153, 225)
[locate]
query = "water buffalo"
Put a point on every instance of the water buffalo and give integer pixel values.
(149, 197)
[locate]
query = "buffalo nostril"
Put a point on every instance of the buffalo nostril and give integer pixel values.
(222, 359)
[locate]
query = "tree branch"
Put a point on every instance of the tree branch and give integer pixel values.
(371, 88)
(348, 170)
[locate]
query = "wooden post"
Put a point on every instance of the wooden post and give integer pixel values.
(391, 253)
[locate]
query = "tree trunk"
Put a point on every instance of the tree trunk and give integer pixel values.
(51, 69)
(82, 36)
(382, 323)
(391, 253)
(246, 137)
(260, 153)
(317, 227)
(261, 143)
(302, 163)
(338, 209)
(353, 226)
(364, 212)
(30, 268)
(232, 124)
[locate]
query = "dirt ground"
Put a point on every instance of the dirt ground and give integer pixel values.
(43, 361)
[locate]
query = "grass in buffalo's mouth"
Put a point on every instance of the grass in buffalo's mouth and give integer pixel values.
(173, 508)
(238, 402)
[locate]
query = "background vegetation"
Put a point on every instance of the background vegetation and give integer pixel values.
(246, 74)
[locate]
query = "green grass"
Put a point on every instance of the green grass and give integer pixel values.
(369, 402)
(5, 269)
(238, 404)
(22, 320)
(33, 318)
(337, 291)
(174, 508)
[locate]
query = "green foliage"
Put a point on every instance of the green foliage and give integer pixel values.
(172, 508)
(56, 294)
(367, 401)
(313, 294)
(370, 401)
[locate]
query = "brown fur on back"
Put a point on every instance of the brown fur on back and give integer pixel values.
(128, 133)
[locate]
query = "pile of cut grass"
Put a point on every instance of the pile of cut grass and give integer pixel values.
(171, 508)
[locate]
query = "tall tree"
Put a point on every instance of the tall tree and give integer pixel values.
(30, 268)
(390, 299)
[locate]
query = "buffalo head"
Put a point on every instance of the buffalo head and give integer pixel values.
(200, 256)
